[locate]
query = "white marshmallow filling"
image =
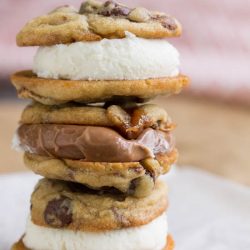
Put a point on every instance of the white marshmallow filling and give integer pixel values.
(130, 58)
(147, 237)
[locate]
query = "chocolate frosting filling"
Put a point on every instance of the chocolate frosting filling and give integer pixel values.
(90, 143)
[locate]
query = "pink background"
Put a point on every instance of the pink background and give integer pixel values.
(215, 46)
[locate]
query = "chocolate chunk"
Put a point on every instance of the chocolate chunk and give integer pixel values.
(58, 212)
(120, 11)
(111, 8)
(103, 191)
(89, 7)
(75, 187)
(108, 3)
(121, 219)
(133, 185)
(151, 174)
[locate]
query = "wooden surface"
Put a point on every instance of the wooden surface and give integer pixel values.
(210, 135)
(213, 136)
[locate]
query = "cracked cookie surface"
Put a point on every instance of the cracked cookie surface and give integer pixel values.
(96, 20)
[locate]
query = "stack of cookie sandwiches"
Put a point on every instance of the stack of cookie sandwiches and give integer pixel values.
(90, 132)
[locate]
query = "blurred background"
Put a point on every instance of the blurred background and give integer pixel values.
(213, 114)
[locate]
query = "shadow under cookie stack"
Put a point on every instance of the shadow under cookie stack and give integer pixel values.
(90, 132)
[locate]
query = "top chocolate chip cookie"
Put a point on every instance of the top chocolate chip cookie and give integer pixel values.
(96, 20)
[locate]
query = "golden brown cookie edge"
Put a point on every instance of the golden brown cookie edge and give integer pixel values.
(112, 214)
(53, 91)
(71, 170)
(67, 26)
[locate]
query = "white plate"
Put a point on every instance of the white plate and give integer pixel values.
(205, 213)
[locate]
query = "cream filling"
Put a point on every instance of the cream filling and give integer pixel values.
(148, 237)
(130, 58)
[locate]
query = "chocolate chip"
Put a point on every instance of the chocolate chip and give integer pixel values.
(111, 8)
(118, 11)
(90, 7)
(103, 191)
(169, 23)
(132, 186)
(108, 3)
(82, 9)
(75, 187)
(121, 219)
(58, 212)
(151, 174)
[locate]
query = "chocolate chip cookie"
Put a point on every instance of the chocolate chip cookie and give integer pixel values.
(96, 20)
(128, 155)
(129, 119)
(129, 178)
(60, 204)
(53, 91)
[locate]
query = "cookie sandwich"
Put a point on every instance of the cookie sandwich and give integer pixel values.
(101, 52)
(104, 148)
(65, 215)
(90, 131)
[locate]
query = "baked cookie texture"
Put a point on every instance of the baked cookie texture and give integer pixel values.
(94, 21)
(136, 178)
(60, 204)
(96, 196)
(20, 246)
(130, 119)
(130, 178)
(53, 91)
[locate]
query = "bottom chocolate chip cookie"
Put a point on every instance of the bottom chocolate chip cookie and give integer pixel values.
(65, 214)
(20, 245)
(60, 204)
